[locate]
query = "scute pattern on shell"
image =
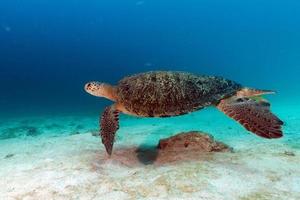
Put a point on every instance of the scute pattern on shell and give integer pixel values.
(169, 93)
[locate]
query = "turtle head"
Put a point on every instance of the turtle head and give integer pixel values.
(94, 88)
(100, 90)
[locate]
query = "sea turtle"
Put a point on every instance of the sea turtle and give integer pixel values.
(172, 93)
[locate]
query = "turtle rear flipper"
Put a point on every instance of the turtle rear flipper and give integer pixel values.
(254, 115)
(109, 125)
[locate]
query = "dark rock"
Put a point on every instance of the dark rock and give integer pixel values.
(32, 131)
(289, 153)
(9, 155)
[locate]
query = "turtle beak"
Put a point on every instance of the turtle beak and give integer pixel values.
(91, 87)
(87, 86)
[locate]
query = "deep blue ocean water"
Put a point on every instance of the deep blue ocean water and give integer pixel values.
(49, 49)
(49, 126)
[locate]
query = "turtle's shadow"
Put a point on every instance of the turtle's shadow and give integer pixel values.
(151, 155)
(146, 154)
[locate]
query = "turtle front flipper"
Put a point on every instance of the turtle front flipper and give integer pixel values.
(254, 115)
(109, 125)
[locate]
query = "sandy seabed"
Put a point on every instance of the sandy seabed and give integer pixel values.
(60, 158)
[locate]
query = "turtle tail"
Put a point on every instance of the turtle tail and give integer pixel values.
(250, 92)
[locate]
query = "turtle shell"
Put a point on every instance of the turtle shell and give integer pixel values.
(169, 93)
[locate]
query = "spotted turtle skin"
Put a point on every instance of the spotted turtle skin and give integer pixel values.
(171, 93)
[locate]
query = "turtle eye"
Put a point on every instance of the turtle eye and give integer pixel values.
(88, 86)
(240, 100)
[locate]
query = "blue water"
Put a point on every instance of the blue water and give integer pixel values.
(49, 49)
(49, 126)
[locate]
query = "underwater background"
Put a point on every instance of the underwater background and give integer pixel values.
(49, 49)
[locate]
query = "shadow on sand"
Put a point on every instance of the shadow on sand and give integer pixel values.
(151, 155)
(147, 155)
(186, 146)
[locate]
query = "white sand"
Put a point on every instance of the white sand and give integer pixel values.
(56, 165)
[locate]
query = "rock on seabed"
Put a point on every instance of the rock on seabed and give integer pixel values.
(193, 140)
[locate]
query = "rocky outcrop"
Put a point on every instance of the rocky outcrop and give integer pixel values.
(193, 140)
